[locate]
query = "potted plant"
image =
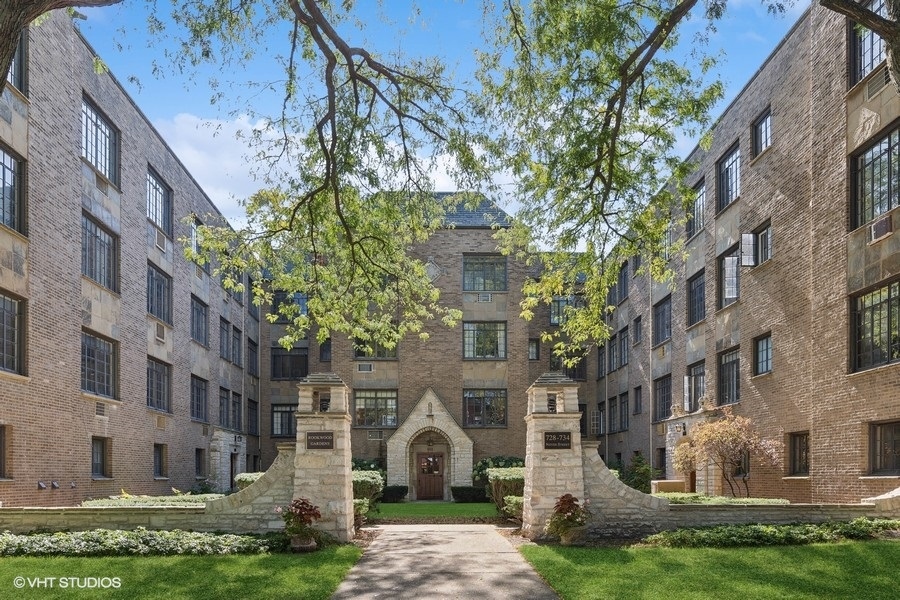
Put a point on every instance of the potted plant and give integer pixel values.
(298, 518)
(568, 520)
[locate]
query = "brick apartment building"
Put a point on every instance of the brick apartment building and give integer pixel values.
(786, 306)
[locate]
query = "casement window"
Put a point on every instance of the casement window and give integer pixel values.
(224, 339)
(613, 409)
(694, 223)
(375, 408)
(558, 308)
(159, 294)
(613, 346)
(885, 448)
(729, 276)
(637, 331)
(601, 361)
(101, 457)
(252, 417)
(578, 371)
(200, 469)
(623, 346)
(484, 273)
(12, 191)
(484, 408)
(762, 132)
(199, 399)
(196, 224)
(876, 178)
(694, 386)
(876, 327)
(283, 421)
(638, 400)
(623, 411)
(762, 354)
(252, 358)
(224, 407)
(602, 425)
(799, 453)
(622, 283)
(159, 202)
(287, 306)
(729, 377)
(534, 349)
(762, 244)
(252, 308)
(4, 461)
(867, 50)
(662, 321)
(325, 351)
(237, 346)
(662, 398)
(484, 340)
(16, 73)
(159, 377)
(290, 364)
(371, 349)
(99, 254)
(99, 367)
(237, 407)
(696, 300)
(99, 142)
(160, 461)
(199, 321)
(12, 333)
(728, 171)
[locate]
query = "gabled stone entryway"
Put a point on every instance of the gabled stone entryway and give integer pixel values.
(429, 443)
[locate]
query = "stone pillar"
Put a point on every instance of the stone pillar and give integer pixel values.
(553, 455)
(323, 461)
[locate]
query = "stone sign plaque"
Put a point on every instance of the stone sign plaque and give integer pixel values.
(320, 440)
(557, 440)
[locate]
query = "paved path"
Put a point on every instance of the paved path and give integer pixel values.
(442, 562)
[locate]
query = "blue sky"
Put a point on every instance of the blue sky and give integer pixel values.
(203, 135)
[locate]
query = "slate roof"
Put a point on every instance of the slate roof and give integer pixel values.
(483, 216)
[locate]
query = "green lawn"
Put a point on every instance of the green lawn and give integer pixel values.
(275, 576)
(434, 509)
(845, 570)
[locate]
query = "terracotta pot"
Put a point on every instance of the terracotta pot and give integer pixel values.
(301, 543)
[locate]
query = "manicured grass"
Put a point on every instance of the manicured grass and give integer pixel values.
(845, 570)
(435, 509)
(272, 576)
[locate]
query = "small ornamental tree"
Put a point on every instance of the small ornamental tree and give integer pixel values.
(725, 442)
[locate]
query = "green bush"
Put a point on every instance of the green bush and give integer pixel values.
(479, 471)
(360, 510)
(638, 474)
(468, 493)
(368, 485)
(393, 494)
(695, 498)
(512, 506)
(242, 480)
(505, 482)
(179, 500)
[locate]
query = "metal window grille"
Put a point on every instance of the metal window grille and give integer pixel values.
(11, 190)
(484, 408)
(159, 203)
(99, 260)
(484, 340)
(159, 294)
(97, 365)
(696, 298)
(729, 178)
(158, 375)
(877, 327)
(199, 321)
(729, 377)
(484, 273)
(199, 399)
(11, 331)
(99, 142)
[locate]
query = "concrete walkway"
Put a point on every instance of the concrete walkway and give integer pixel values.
(442, 562)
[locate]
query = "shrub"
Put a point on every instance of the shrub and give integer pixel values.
(468, 493)
(394, 493)
(299, 516)
(360, 510)
(512, 506)
(368, 485)
(179, 500)
(479, 471)
(242, 480)
(638, 474)
(695, 498)
(506, 482)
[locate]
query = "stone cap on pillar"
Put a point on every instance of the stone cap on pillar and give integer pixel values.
(553, 392)
(323, 392)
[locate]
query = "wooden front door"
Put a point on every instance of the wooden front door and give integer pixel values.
(430, 479)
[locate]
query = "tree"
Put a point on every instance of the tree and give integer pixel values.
(725, 442)
(886, 25)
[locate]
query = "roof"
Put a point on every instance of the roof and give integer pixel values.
(484, 216)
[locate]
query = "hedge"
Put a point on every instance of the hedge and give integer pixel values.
(242, 480)
(179, 500)
(468, 493)
(394, 493)
(479, 471)
(505, 482)
(367, 485)
(513, 506)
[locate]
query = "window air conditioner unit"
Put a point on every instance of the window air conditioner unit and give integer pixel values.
(102, 184)
(484, 297)
(365, 368)
(878, 81)
(880, 229)
(199, 272)
(100, 409)
(160, 422)
(160, 332)
(161, 240)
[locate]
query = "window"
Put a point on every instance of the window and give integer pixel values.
(484, 340)
(200, 463)
(876, 172)
(375, 350)
(237, 346)
(623, 411)
(742, 468)
(623, 347)
(199, 321)
(729, 277)
(729, 177)
(578, 371)
(762, 354)
(636, 331)
(695, 216)
(602, 427)
(694, 386)
(622, 284)
(283, 421)
(484, 273)
(288, 306)
(376, 408)
(199, 399)
(159, 294)
(229, 409)
(613, 346)
(252, 308)
(236, 410)
(635, 264)
(12, 330)
(12, 191)
(224, 408)
(762, 244)
(16, 73)
(601, 361)
(484, 408)
(762, 132)
(98, 365)
(866, 48)
(876, 327)
(252, 358)
(159, 203)
(4, 464)
(696, 300)
(638, 400)
(290, 364)
(158, 390)
(613, 405)
(325, 351)
(534, 349)
(729, 377)
(662, 398)
(799, 457)
(101, 451)
(252, 417)
(558, 307)
(99, 254)
(886, 448)
(224, 339)
(662, 321)
(160, 461)
(99, 142)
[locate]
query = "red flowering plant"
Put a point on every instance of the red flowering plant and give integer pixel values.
(567, 514)
(299, 516)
